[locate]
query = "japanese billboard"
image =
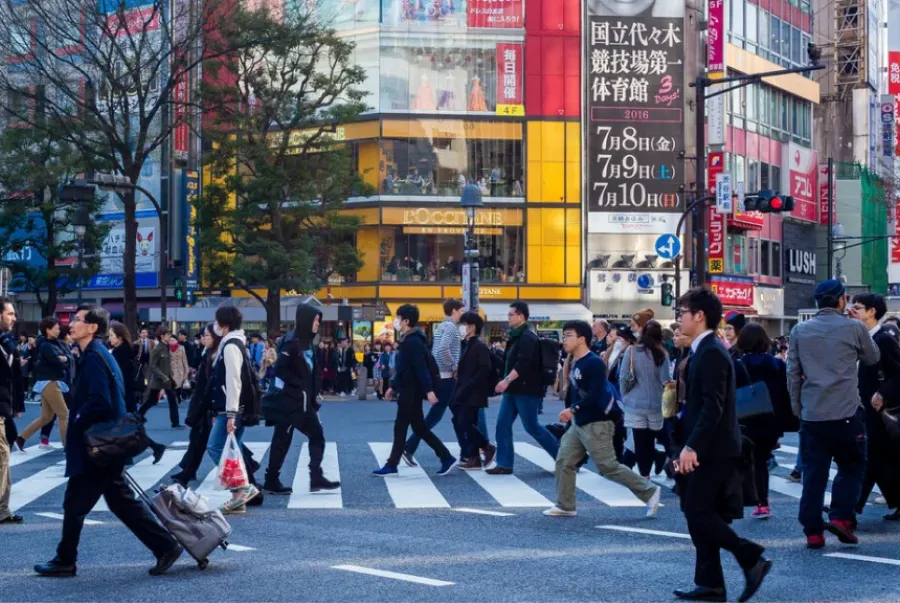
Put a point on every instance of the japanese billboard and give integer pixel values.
(715, 39)
(887, 125)
(112, 250)
(894, 71)
(732, 291)
(799, 180)
(191, 191)
(495, 13)
(634, 118)
(824, 175)
(715, 229)
(509, 79)
(450, 13)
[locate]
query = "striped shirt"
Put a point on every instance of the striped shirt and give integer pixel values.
(446, 347)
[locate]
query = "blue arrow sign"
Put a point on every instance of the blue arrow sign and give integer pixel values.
(668, 246)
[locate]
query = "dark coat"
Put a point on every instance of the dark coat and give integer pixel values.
(48, 366)
(412, 380)
(200, 405)
(773, 372)
(98, 396)
(161, 368)
(297, 398)
(473, 385)
(125, 356)
(346, 359)
(523, 355)
(884, 378)
(12, 395)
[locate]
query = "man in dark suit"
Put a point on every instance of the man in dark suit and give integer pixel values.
(879, 388)
(12, 404)
(474, 384)
(709, 483)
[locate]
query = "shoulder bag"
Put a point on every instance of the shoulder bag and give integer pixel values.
(891, 419)
(753, 399)
(629, 379)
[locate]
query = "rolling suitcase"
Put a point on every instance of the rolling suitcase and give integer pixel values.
(186, 515)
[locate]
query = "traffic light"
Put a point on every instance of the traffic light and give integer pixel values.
(180, 293)
(666, 297)
(769, 202)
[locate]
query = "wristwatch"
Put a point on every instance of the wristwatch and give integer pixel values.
(573, 409)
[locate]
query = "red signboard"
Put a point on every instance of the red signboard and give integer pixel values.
(895, 241)
(133, 22)
(715, 164)
(509, 74)
(799, 167)
(732, 293)
(823, 195)
(894, 72)
(715, 37)
(181, 134)
(495, 13)
(715, 228)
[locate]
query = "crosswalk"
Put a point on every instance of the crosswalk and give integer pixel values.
(38, 481)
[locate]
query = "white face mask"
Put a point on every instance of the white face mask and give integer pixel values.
(463, 331)
(218, 330)
(396, 324)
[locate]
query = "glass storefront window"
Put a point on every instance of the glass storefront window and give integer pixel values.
(442, 166)
(435, 254)
(736, 257)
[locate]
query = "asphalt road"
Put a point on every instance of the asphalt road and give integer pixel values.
(432, 532)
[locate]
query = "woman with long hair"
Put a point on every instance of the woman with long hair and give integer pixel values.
(754, 364)
(52, 377)
(643, 372)
(267, 366)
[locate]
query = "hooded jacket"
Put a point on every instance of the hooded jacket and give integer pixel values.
(298, 376)
(412, 380)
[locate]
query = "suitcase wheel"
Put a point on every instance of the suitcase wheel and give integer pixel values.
(224, 545)
(202, 565)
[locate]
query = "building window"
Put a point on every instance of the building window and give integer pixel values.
(737, 20)
(776, 259)
(750, 25)
(764, 183)
(435, 253)
(775, 35)
(736, 256)
(764, 258)
(752, 256)
(442, 166)
(776, 177)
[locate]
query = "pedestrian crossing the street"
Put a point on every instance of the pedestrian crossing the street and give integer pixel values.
(39, 481)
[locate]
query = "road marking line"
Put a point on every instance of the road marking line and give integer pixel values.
(146, 474)
(33, 487)
(60, 516)
(17, 457)
(302, 498)
(180, 444)
(607, 492)
(645, 531)
(239, 548)
(789, 449)
(412, 488)
(883, 560)
(507, 490)
(393, 575)
(792, 489)
(217, 498)
(482, 512)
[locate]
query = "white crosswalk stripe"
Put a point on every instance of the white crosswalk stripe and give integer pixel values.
(32, 452)
(41, 490)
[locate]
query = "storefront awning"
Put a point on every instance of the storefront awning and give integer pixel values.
(540, 312)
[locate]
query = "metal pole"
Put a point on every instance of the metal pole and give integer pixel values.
(163, 263)
(80, 268)
(700, 188)
(830, 232)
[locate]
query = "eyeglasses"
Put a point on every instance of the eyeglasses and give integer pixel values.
(512, 314)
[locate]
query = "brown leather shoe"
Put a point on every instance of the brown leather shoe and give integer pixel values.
(473, 464)
(499, 471)
(490, 451)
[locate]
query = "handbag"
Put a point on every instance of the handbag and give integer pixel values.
(752, 399)
(891, 419)
(669, 401)
(629, 380)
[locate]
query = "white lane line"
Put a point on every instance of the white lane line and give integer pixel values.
(179, 444)
(302, 498)
(607, 492)
(794, 490)
(832, 473)
(392, 575)
(508, 490)
(33, 487)
(883, 560)
(789, 449)
(412, 488)
(644, 531)
(239, 548)
(17, 457)
(60, 516)
(482, 512)
(217, 498)
(147, 474)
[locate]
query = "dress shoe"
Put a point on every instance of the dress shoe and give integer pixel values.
(158, 452)
(755, 576)
(701, 593)
(490, 451)
(317, 483)
(13, 519)
(499, 471)
(166, 561)
(55, 569)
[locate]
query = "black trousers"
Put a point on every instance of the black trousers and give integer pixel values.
(153, 399)
(343, 381)
(82, 493)
(193, 456)
(281, 443)
(410, 415)
(710, 530)
(762, 452)
(465, 424)
(881, 465)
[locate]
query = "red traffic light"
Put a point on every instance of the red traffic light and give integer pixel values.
(775, 204)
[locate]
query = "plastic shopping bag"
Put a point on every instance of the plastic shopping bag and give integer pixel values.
(232, 472)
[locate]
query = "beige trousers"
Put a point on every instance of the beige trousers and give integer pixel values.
(52, 403)
(5, 483)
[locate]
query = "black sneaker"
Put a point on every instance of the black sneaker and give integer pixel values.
(56, 569)
(274, 486)
(795, 476)
(317, 483)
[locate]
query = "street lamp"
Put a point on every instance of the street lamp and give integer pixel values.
(81, 221)
(470, 201)
(839, 244)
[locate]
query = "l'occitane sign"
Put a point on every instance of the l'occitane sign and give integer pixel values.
(427, 216)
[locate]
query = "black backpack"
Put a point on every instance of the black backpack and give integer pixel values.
(549, 360)
(251, 393)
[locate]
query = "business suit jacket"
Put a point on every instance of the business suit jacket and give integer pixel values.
(473, 375)
(884, 378)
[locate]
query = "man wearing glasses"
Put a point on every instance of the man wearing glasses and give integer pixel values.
(822, 378)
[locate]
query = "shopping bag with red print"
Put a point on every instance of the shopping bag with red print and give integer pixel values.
(232, 472)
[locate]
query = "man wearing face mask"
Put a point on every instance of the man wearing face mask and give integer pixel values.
(472, 391)
(292, 403)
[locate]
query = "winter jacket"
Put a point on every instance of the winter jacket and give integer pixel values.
(49, 366)
(125, 356)
(12, 396)
(161, 368)
(226, 382)
(523, 355)
(298, 376)
(753, 368)
(412, 380)
(473, 385)
(199, 406)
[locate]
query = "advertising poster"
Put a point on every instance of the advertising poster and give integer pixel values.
(424, 13)
(733, 291)
(496, 13)
(510, 58)
(799, 180)
(715, 228)
(191, 191)
(634, 117)
(345, 15)
(824, 175)
(715, 39)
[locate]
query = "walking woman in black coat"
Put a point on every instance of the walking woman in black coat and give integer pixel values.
(754, 364)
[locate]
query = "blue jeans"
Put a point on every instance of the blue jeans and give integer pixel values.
(444, 393)
(525, 407)
(820, 442)
(219, 433)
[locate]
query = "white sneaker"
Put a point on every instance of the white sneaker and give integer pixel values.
(653, 503)
(881, 500)
(555, 511)
(342, 395)
(46, 447)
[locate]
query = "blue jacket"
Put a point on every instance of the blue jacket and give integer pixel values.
(412, 380)
(98, 396)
